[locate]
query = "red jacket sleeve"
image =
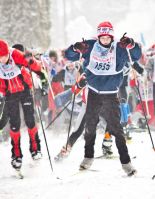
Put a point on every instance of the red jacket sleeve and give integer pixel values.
(19, 58)
(2, 86)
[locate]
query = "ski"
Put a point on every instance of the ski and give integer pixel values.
(110, 157)
(78, 172)
(106, 157)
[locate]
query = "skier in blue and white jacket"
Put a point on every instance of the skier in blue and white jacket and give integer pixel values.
(104, 60)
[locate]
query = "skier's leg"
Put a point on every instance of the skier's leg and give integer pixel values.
(35, 148)
(79, 126)
(107, 143)
(14, 116)
(28, 109)
(92, 118)
(16, 150)
(111, 113)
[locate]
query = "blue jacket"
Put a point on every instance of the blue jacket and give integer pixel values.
(105, 83)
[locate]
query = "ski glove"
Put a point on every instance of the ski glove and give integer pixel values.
(126, 42)
(80, 84)
(44, 82)
(81, 47)
(29, 57)
(44, 90)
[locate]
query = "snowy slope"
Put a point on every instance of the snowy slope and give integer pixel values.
(109, 182)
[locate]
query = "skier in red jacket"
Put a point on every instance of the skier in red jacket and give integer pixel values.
(15, 86)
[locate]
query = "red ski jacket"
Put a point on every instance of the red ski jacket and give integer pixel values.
(16, 73)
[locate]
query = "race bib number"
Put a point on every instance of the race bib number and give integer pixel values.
(102, 66)
(9, 71)
(103, 61)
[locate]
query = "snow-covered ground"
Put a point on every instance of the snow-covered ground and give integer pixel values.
(109, 182)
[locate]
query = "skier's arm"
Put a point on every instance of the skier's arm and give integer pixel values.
(138, 68)
(136, 52)
(79, 48)
(19, 58)
(71, 54)
(134, 48)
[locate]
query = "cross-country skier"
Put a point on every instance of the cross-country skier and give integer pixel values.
(78, 130)
(80, 121)
(15, 85)
(105, 59)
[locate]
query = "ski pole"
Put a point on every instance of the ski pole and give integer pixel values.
(70, 122)
(45, 139)
(43, 128)
(58, 115)
(50, 87)
(140, 97)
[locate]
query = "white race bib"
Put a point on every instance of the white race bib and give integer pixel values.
(9, 71)
(103, 60)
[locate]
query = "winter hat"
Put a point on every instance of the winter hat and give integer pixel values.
(4, 48)
(105, 29)
(19, 47)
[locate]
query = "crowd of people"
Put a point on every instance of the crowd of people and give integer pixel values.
(105, 76)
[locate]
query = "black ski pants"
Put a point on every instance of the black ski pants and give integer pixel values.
(106, 106)
(13, 101)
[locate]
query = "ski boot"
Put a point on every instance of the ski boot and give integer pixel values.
(129, 169)
(63, 153)
(107, 145)
(86, 163)
(16, 163)
(36, 155)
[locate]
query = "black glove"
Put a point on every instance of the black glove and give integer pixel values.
(44, 83)
(126, 42)
(28, 54)
(80, 84)
(82, 81)
(29, 57)
(81, 46)
(44, 90)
